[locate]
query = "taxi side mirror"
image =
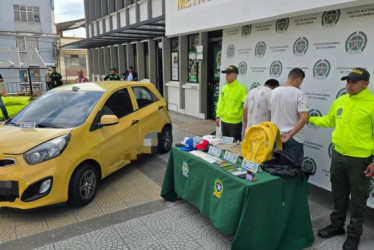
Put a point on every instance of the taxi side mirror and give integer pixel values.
(108, 120)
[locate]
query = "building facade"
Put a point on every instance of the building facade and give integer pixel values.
(266, 39)
(123, 33)
(26, 26)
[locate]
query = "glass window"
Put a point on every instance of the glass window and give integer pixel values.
(65, 109)
(118, 104)
(75, 61)
(144, 96)
(146, 61)
(28, 14)
(20, 43)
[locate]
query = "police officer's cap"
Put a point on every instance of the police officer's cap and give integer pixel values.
(113, 68)
(357, 74)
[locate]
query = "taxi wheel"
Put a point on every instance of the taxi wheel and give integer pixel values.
(83, 185)
(165, 140)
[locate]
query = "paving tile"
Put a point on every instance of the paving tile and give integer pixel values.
(46, 247)
(317, 210)
(206, 235)
(106, 238)
(59, 217)
(181, 241)
(109, 201)
(89, 211)
(76, 243)
(223, 244)
(31, 229)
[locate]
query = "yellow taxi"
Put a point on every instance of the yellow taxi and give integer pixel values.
(59, 147)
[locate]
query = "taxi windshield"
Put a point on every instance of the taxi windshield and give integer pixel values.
(58, 109)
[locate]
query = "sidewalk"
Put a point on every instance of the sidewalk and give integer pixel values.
(163, 225)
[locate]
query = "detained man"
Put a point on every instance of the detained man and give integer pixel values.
(289, 111)
(256, 106)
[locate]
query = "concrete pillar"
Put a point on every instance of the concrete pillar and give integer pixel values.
(183, 68)
(130, 55)
(166, 64)
(96, 67)
(122, 62)
(152, 57)
(97, 9)
(114, 57)
(140, 60)
(111, 6)
(101, 62)
(120, 4)
(90, 57)
(203, 74)
(107, 63)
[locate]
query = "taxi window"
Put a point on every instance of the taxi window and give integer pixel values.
(144, 96)
(119, 104)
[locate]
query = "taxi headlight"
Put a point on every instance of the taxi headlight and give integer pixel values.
(47, 150)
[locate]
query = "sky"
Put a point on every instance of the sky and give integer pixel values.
(67, 10)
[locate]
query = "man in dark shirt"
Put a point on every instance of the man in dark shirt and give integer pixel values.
(55, 77)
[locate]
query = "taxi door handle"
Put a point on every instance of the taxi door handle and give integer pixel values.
(160, 107)
(134, 122)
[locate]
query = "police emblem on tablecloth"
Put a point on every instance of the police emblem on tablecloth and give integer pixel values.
(330, 18)
(276, 69)
(260, 49)
(246, 30)
(300, 46)
(218, 188)
(331, 148)
(255, 85)
(282, 25)
(356, 42)
(314, 112)
(242, 67)
(309, 165)
(321, 69)
(230, 51)
(341, 92)
(185, 169)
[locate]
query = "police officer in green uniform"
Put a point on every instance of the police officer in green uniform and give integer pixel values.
(55, 77)
(112, 76)
(352, 165)
(231, 104)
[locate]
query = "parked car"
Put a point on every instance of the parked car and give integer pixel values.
(59, 147)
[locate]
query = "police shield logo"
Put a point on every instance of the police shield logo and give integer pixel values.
(185, 169)
(321, 69)
(314, 112)
(282, 25)
(242, 67)
(300, 46)
(260, 49)
(276, 69)
(255, 85)
(356, 43)
(331, 148)
(330, 18)
(218, 188)
(309, 165)
(246, 30)
(341, 92)
(230, 51)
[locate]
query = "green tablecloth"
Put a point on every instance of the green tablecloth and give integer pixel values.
(270, 213)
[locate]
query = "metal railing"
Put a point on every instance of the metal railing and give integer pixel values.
(14, 88)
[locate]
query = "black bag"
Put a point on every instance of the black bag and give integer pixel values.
(283, 164)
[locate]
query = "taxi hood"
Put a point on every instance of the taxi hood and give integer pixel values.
(14, 140)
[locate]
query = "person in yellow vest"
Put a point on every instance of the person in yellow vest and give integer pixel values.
(112, 76)
(231, 104)
(55, 77)
(352, 165)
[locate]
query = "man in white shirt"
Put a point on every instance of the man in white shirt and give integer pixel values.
(256, 106)
(289, 111)
(130, 75)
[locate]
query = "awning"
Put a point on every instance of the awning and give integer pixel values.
(148, 29)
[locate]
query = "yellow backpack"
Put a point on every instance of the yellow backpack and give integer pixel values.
(259, 142)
